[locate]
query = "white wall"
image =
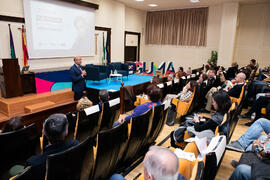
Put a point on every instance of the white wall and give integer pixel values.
(253, 40)
(188, 56)
(110, 14)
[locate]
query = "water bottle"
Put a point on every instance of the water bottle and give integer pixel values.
(111, 71)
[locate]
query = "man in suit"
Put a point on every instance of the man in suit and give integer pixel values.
(77, 74)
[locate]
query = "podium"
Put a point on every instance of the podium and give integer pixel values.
(10, 79)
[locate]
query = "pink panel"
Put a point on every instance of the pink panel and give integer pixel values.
(43, 85)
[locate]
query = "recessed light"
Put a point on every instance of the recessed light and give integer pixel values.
(194, 1)
(139, 0)
(152, 5)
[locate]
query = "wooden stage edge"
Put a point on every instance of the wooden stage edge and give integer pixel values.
(31, 104)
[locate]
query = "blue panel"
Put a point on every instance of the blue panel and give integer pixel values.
(55, 76)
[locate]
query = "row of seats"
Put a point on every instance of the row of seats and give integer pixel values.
(111, 150)
(224, 133)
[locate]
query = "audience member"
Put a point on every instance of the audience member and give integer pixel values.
(189, 71)
(232, 71)
(170, 77)
(180, 72)
(84, 102)
(184, 95)
(55, 129)
(13, 124)
(233, 92)
(202, 127)
(103, 97)
(261, 102)
(253, 140)
(156, 80)
(160, 163)
(154, 95)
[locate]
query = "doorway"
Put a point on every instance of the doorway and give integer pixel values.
(132, 46)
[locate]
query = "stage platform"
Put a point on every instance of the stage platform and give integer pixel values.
(31, 103)
(114, 84)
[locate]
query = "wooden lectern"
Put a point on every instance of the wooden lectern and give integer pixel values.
(10, 79)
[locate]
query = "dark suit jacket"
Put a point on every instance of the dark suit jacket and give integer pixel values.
(38, 162)
(235, 91)
(78, 82)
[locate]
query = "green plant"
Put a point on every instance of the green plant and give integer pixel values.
(213, 58)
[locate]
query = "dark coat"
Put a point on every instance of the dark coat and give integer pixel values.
(78, 81)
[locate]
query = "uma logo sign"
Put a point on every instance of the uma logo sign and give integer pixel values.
(141, 66)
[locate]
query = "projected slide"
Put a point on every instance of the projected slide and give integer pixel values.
(58, 29)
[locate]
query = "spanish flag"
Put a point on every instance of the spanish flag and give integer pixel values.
(25, 53)
(12, 48)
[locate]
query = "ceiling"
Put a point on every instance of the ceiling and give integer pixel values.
(177, 4)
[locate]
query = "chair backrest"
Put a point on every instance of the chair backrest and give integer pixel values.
(140, 127)
(213, 158)
(70, 164)
(193, 101)
(88, 123)
(158, 119)
(111, 112)
(175, 87)
(18, 146)
(25, 175)
(167, 87)
(111, 145)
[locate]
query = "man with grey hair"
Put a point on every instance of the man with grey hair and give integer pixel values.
(160, 163)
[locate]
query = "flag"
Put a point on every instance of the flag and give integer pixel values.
(12, 48)
(25, 53)
(104, 50)
(107, 49)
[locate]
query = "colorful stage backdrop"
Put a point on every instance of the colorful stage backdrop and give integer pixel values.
(56, 80)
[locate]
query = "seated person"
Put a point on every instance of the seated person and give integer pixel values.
(159, 163)
(103, 97)
(156, 80)
(154, 94)
(233, 92)
(202, 79)
(170, 77)
(55, 129)
(189, 71)
(232, 71)
(260, 103)
(184, 95)
(13, 124)
(252, 140)
(205, 128)
(244, 143)
(180, 73)
(84, 102)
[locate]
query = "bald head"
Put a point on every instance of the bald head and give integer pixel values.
(160, 163)
(78, 60)
(240, 77)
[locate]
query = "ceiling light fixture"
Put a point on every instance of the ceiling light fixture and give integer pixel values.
(139, 0)
(194, 1)
(152, 5)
